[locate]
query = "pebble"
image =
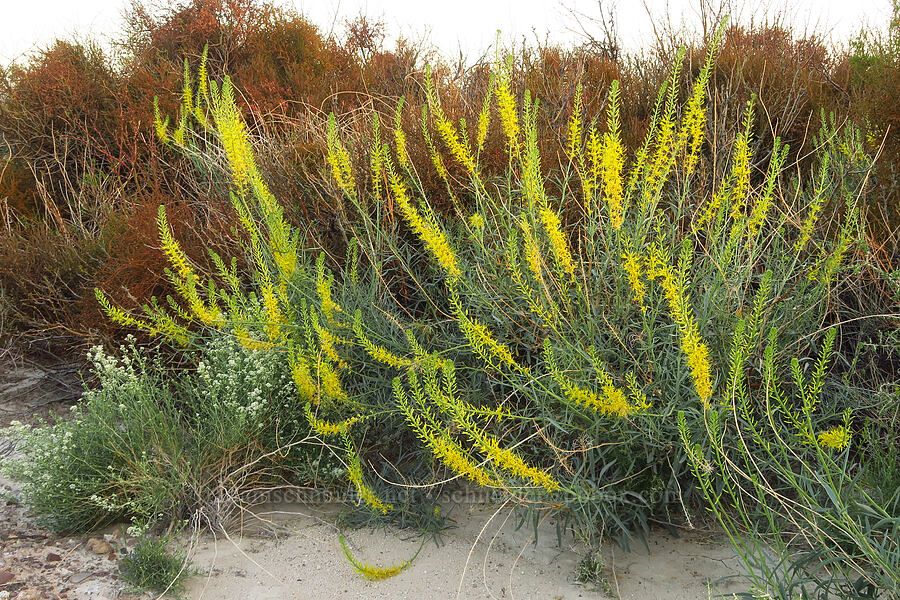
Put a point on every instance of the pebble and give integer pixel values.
(99, 546)
(79, 577)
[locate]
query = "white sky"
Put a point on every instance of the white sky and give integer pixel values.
(467, 24)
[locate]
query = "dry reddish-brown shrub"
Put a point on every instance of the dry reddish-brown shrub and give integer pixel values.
(85, 129)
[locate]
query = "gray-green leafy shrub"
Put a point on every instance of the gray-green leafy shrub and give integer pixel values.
(151, 444)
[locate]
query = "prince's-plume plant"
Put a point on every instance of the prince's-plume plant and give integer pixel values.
(559, 320)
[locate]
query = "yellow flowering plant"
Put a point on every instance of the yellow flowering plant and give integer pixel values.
(587, 318)
(539, 336)
(779, 462)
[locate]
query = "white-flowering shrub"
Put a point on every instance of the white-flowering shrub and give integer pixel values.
(150, 444)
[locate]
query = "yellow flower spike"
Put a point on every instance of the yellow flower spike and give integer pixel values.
(695, 350)
(657, 169)
(274, 318)
(476, 222)
(176, 256)
(638, 174)
(368, 571)
(354, 472)
(836, 438)
(433, 152)
(632, 266)
(331, 383)
(447, 132)
(532, 178)
(160, 125)
(329, 307)
(246, 339)
(710, 210)
(303, 380)
(400, 136)
(280, 240)
(484, 117)
(457, 147)
(740, 167)
(328, 341)
(505, 459)
(506, 106)
(514, 464)
(458, 461)
(160, 323)
(591, 171)
(379, 353)
(693, 124)
(339, 159)
(815, 206)
(575, 128)
(327, 428)
(163, 324)
(663, 158)
(612, 162)
(761, 209)
(698, 361)
(376, 162)
(187, 90)
(184, 279)
(493, 352)
(178, 132)
(233, 136)
(118, 315)
(202, 99)
(637, 395)
(513, 265)
(611, 402)
(558, 243)
(532, 251)
(281, 293)
(442, 447)
(830, 262)
(432, 237)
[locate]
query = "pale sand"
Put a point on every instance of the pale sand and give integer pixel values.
(483, 557)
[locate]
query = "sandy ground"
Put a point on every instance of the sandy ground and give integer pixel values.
(484, 556)
(293, 552)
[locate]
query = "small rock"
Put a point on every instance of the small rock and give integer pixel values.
(53, 557)
(6, 577)
(99, 546)
(111, 556)
(79, 577)
(30, 594)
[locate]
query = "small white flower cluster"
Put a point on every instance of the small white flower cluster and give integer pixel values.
(40, 446)
(137, 509)
(107, 503)
(137, 530)
(244, 383)
(116, 374)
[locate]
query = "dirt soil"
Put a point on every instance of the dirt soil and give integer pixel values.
(31, 389)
